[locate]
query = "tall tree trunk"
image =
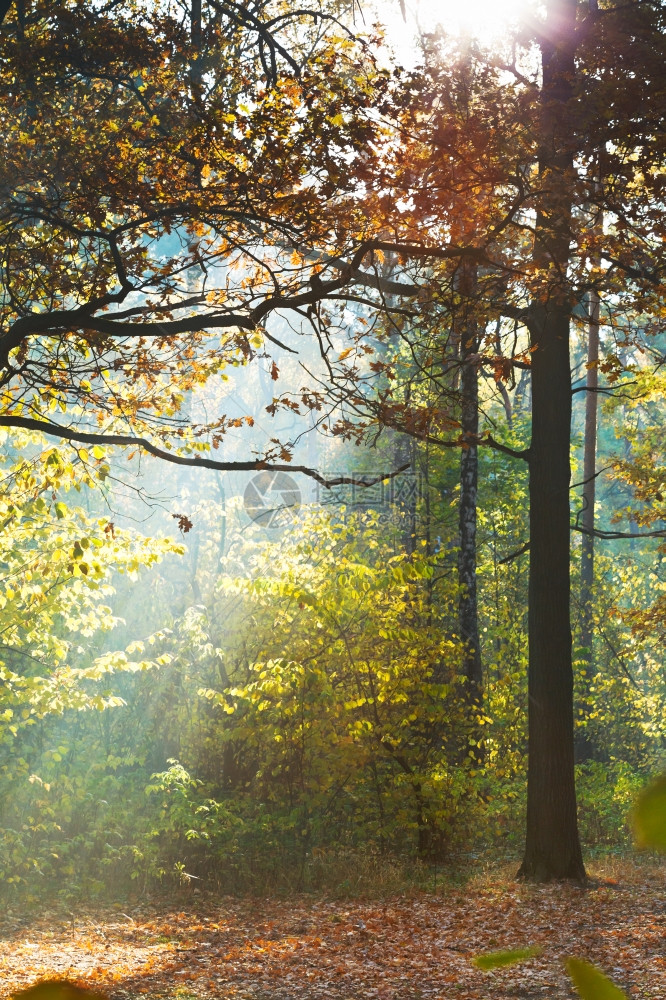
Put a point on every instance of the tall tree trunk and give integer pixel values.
(552, 846)
(583, 746)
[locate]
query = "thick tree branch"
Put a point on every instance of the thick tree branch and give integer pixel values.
(415, 251)
(359, 277)
(82, 319)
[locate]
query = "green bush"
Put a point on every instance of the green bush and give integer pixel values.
(606, 792)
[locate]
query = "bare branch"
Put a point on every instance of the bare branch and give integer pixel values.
(610, 535)
(514, 555)
(127, 440)
(514, 452)
(584, 482)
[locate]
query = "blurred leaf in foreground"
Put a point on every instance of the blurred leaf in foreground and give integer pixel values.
(649, 817)
(591, 983)
(497, 959)
(57, 989)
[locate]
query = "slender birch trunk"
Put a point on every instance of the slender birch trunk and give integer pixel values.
(582, 745)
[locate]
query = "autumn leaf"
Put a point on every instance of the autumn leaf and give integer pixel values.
(184, 523)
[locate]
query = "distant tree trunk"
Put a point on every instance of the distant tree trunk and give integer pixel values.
(583, 746)
(468, 616)
(406, 507)
(410, 501)
(552, 845)
(469, 475)
(4, 8)
(467, 335)
(196, 39)
(522, 399)
(506, 399)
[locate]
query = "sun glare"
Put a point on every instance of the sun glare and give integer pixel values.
(485, 20)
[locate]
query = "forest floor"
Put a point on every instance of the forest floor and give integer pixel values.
(196, 946)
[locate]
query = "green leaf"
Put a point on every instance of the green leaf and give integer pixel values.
(591, 982)
(649, 816)
(498, 959)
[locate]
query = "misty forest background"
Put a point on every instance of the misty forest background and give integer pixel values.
(276, 699)
(245, 679)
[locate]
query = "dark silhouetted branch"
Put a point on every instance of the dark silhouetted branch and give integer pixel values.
(77, 436)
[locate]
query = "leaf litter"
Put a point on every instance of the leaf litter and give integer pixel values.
(198, 945)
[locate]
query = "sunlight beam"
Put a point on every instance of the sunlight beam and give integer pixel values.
(486, 21)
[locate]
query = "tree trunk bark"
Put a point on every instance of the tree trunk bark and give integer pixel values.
(552, 847)
(583, 747)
